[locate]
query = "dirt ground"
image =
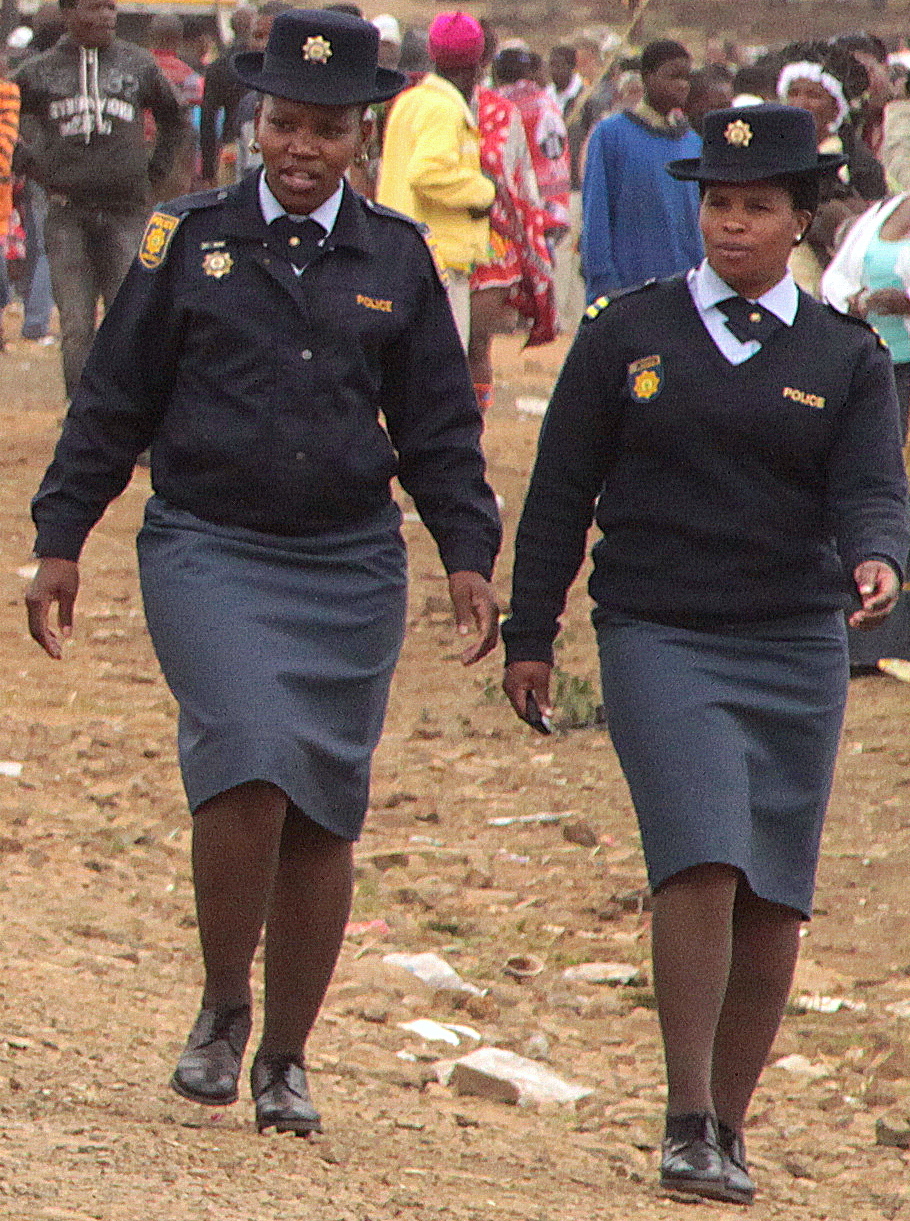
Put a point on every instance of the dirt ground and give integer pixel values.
(100, 968)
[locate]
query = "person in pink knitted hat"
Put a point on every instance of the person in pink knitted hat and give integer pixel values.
(455, 40)
(430, 166)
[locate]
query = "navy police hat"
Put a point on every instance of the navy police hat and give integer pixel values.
(748, 143)
(325, 58)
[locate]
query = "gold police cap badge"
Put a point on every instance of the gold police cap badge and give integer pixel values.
(156, 239)
(738, 133)
(317, 49)
(217, 263)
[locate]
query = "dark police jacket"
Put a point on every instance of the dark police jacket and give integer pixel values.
(259, 392)
(725, 494)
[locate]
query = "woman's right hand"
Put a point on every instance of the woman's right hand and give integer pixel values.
(886, 301)
(528, 677)
(55, 581)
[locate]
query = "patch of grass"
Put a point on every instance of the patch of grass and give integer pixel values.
(575, 698)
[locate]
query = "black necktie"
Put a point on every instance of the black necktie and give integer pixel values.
(748, 320)
(298, 240)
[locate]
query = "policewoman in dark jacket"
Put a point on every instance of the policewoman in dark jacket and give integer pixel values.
(257, 338)
(739, 446)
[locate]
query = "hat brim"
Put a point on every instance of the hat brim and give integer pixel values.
(248, 67)
(691, 169)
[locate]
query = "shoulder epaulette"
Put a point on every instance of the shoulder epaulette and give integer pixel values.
(382, 210)
(857, 322)
(600, 304)
(422, 229)
(165, 221)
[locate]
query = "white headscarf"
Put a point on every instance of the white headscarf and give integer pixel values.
(810, 70)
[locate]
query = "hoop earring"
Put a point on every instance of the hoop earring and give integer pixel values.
(253, 146)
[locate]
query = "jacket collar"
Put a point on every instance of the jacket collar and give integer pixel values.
(243, 217)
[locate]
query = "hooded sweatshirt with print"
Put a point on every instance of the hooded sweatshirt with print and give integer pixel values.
(83, 122)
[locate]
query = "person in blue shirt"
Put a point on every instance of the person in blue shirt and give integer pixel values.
(638, 223)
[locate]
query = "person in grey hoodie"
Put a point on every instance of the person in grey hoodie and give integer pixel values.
(83, 106)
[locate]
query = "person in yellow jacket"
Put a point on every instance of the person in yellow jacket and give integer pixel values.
(430, 167)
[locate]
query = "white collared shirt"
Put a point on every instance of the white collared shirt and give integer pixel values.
(707, 290)
(326, 214)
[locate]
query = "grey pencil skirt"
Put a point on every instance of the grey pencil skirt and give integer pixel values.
(279, 652)
(728, 741)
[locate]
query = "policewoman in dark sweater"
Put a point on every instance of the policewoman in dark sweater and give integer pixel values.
(258, 336)
(739, 446)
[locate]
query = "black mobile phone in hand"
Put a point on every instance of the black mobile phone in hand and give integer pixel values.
(535, 717)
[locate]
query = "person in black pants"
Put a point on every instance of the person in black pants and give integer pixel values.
(739, 446)
(285, 348)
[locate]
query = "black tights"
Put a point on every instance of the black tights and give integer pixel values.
(723, 966)
(257, 861)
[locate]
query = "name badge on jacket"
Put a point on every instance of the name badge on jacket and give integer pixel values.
(645, 378)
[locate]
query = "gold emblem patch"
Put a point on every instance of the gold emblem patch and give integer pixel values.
(157, 238)
(317, 49)
(738, 133)
(645, 378)
(646, 385)
(217, 263)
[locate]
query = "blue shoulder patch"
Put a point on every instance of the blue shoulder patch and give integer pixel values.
(165, 221)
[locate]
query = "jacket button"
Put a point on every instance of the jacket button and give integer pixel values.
(306, 354)
(299, 455)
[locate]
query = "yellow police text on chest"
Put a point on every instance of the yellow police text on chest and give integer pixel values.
(807, 400)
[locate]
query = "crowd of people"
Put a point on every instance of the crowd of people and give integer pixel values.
(317, 318)
(542, 217)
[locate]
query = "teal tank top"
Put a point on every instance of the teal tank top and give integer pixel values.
(879, 272)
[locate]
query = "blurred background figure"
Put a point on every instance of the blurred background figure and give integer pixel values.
(872, 54)
(754, 84)
(831, 84)
(9, 132)
(246, 155)
(222, 95)
(516, 75)
(710, 88)
(363, 174)
(571, 91)
(414, 60)
(638, 222)
(389, 40)
(518, 277)
(567, 85)
(165, 43)
(83, 120)
(895, 154)
(430, 166)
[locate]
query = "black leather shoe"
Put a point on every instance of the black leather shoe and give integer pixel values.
(691, 1161)
(736, 1170)
(208, 1069)
(279, 1088)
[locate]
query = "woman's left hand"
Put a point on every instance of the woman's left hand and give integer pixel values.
(475, 607)
(878, 587)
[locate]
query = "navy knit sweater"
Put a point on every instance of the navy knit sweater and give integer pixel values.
(726, 494)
